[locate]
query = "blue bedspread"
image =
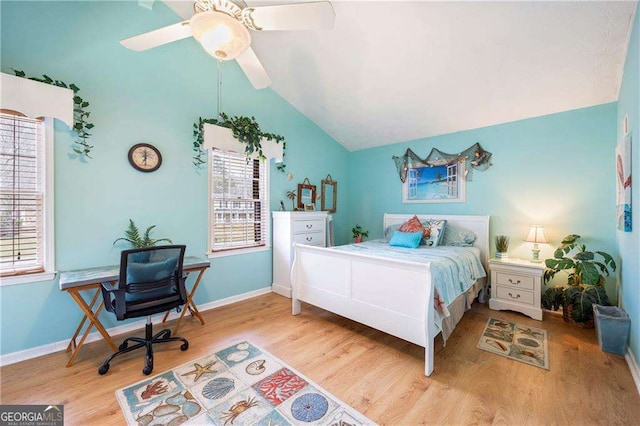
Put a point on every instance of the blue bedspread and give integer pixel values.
(453, 269)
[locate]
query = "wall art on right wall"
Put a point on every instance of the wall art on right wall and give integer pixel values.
(623, 184)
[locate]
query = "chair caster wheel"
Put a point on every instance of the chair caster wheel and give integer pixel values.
(184, 346)
(103, 369)
(147, 370)
(123, 346)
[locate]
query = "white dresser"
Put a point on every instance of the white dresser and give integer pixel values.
(516, 285)
(293, 227)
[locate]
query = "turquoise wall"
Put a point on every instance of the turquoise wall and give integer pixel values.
(555, 170)
(151, 97)
(629, 242)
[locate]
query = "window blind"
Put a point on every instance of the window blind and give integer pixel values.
(239, 201)
(21, 195)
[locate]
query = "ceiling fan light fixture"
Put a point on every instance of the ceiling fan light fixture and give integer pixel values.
(221, 35)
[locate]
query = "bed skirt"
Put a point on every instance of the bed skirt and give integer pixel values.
(460, 305)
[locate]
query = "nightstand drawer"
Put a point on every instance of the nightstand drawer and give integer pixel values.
(512, 294)
(312, 238)
(307, 226)
(518, 281)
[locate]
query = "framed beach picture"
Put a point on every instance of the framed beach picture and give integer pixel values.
(623, 184)
(306, 194)
(435, 184)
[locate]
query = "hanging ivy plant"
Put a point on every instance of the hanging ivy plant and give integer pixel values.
(245, 129)
(81, 126)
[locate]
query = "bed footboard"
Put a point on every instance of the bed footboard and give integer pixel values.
(389, 295)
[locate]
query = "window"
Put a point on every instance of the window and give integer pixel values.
(239, 212)
(26, 199)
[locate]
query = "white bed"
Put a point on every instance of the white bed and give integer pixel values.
(394, 296)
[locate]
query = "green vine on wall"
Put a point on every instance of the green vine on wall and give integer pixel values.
(245, 129)
(81, 126)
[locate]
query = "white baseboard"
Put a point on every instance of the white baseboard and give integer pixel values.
(281, 290)
(633, 366)
(49, 348)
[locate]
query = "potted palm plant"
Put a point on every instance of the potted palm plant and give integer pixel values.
(585, 281)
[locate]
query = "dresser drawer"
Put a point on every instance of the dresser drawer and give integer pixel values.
(512, 294)
(311, 238)
(518, 281)
(300, 226)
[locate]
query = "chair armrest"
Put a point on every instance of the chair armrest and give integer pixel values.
(110, 286)
(111, 292)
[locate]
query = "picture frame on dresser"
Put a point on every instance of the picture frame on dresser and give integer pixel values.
(306, 194)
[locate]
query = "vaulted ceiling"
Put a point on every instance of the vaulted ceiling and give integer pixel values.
(392, 71)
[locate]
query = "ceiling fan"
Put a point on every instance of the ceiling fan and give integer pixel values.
(221, 27)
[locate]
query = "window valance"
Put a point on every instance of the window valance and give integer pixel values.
(35, 99)
(222, 138)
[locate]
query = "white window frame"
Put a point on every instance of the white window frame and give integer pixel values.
(267, 230)
(46, 145)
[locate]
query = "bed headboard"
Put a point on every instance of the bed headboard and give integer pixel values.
(478, 224)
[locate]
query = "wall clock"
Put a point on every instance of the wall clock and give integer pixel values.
(145, 157)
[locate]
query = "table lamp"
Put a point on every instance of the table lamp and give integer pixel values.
(536, 235)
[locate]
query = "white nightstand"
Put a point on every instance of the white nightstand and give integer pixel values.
(516, 285)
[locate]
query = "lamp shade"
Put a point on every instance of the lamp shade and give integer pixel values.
(221, 35)
(536, 235)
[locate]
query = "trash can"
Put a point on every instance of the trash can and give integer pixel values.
(613, 326)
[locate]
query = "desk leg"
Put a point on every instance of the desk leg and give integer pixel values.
(190, 305)
(72, 343)
(93, 321)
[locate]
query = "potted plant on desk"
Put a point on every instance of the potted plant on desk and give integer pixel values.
(585, 282)
(132, 235)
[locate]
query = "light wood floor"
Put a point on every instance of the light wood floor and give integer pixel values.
(379, 375)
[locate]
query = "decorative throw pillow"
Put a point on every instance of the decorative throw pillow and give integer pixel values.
(434, 230)
(457, 236)
(149, 272)
(406, 239)
(412, 225)
(389, 230)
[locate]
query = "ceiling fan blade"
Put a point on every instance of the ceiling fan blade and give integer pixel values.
(299, 16)
(158, 37)
(253, 69)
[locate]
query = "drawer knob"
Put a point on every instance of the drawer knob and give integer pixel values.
(514, 297)
(309, 226)
(309, 238)
(516, 283)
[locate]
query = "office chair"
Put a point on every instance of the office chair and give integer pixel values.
(151, 281)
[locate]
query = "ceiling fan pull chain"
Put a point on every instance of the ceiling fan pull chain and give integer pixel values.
(219, 87)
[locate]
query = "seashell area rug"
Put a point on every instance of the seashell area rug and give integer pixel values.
(238, 385)
(518, 342)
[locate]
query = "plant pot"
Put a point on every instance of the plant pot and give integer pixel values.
(358, 239)
(502, 255)
(567, 311)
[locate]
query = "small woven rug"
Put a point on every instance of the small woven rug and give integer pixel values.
(239, 385)
(511, 340)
